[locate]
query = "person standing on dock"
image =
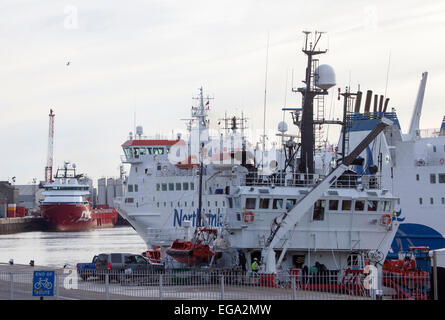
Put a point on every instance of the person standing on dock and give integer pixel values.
(255, 265)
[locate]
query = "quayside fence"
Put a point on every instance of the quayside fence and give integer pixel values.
(189, 284)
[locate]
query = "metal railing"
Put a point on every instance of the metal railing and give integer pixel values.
(195, 284)
(310, 180)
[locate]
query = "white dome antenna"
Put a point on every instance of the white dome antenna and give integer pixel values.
(324, 77)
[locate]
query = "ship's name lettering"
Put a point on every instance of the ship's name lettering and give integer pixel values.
(215, 219)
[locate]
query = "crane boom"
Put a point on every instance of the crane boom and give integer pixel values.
(49, 159)
(303, 206)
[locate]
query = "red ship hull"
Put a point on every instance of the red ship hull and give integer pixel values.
(77, 217)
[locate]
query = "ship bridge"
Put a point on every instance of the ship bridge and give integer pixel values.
(136, 151)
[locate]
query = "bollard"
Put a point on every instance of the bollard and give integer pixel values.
(11, 278)
(107, 286)
(222, 286)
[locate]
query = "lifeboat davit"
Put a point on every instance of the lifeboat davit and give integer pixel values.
(187, 164)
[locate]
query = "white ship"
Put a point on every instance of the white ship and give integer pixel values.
(411, 166)
(297, 216)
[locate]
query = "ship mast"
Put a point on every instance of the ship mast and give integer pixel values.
(309, 92)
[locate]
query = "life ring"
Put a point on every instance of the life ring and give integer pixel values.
(248, 216)
(442, 161)
(165, 168)
(386, 219)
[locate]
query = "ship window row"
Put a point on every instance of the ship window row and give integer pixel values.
(133, 188)
(333, 205)
(67, 188)
(178, 186)
(185, 204)
(442, 200)
(135, 152)
(434, 178)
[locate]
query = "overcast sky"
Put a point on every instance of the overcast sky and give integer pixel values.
(150, 57)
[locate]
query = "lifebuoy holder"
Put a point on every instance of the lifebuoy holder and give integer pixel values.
(248, 216)
(386, 219)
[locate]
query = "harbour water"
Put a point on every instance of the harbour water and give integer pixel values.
(56, 249)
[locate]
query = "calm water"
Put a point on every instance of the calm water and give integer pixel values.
(56, 249)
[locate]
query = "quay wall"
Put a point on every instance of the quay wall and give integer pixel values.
(26, 224)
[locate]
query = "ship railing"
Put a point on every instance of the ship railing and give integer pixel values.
(310, 180)
(216, 283)
(430, 133)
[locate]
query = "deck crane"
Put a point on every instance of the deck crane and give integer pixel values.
(292, 218)
(49, 159)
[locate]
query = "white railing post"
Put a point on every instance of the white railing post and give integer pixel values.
(294, 286)
(57, 285)
(107, 286)
(11, 279)
(222, 286)
(161, 294)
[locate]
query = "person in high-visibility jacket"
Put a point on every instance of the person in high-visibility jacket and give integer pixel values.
(255, 265)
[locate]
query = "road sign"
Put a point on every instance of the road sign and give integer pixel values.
(43, 284)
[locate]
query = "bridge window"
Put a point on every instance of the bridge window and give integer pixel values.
(441, 177)
(130, 188)
(359, 205)
(171, 187)
(158, 187)
(346, 205)
(386, 205)
(192, 186)
(250, 203)
(178, 187)
(264, 203)
(290, 203)
(319, 207)
(164, 187)
(372, 205)
(277, 204)
(333, 205)
(185, 186)
(432, 178)
(136, 188)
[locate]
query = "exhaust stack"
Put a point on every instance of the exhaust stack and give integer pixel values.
(368, 100)
(358, 101)
(381, 104)
(386, 104)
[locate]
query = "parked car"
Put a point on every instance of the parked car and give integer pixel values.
(86, 270)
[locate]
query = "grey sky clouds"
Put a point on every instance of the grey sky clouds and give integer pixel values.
(152, 56)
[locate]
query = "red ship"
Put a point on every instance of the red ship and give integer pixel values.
(66, 206)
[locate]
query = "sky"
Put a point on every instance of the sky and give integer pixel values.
(141, 62)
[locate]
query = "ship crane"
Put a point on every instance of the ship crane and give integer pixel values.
(49, 159)
(292, 218)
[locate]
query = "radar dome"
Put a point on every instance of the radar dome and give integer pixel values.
(324, 77)
(282, 127)
(139, 130)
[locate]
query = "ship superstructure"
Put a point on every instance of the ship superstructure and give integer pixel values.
(412, 167)
(300, 211)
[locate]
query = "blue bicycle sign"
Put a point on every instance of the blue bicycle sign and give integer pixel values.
(43, 283)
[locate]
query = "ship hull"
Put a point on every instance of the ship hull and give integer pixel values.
(77, 217)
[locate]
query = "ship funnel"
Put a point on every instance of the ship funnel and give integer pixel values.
(324, 77)
(358, 101)
(368, 100)
(381, 104)
(376, 97)
(386, 104)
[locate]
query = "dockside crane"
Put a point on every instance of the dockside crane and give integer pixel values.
(49, 159)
